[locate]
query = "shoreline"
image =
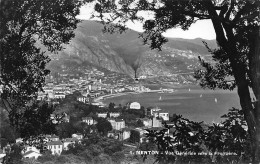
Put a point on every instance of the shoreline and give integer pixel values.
(101, 98)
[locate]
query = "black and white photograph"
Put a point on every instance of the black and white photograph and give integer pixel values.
(129, 81)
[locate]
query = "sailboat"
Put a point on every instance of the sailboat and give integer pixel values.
(189, 89)
(160, 98)
(201, 95)
(216, 100)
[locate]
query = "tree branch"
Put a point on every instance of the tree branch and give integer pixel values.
(230, 9)
(220, 35)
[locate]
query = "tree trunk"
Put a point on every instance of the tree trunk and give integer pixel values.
(257, 95)
(250, 117)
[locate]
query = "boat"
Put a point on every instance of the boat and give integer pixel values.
(189, 89)
(201, 95)
(216, 100)
(160, 98)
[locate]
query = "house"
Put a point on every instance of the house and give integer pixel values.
(113, 134)
(135, 105)
(59, 95)
(53, 138)
(161, 114)
(88, 120)
(124, 134)
(31, 154)
(151, 110)
(146, 121)
(31, 148)
(2, 154)
(19, 140)
(156, 122)
(104, 115)
(79, 136)
(55, 147)
(83, 99)
(114, 114)
(117, 124)
(69, 141)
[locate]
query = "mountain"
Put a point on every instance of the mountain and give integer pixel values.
(123, 53)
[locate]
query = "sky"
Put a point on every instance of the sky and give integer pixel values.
(201, 29)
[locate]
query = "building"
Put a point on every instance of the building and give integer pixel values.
(147, 122)
(31, 154)
(124, 134)
(113, 134)
(69, 141)
(31, 148)
(151, 110)
(114, 114)
(83, 99)
(104, 115)
(2, 154)
(135, 105)
(117, 124)
(55, 147)
(59, 95)
(163, 115)
(79, 136)
(156, 122)
(53, 138)
(88, 120)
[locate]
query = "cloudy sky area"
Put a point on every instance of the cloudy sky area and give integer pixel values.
(201, 29)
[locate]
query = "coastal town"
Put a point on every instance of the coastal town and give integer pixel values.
(90, 91)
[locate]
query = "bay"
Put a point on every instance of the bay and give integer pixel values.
(194, 104)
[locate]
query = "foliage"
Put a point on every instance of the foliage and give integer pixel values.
(13, 155)
(68, 159)
(117, 157)
(139, 123)
(8, 135)
(134, 136)
(103, 126)
(96, 148)
(235, 62)
(35, 120)
(24, 24)
(186, 136)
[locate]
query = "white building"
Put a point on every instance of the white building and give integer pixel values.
(135, 105)
(161, 114)
(59, 95)
(88, 120)
(31, 148)
(53, 138)
(55, 147)
(104, 115)
(146, 121)
(79, 136)
(124, 134)
(156, 122)
(117, 124)
(83, 99)
(115, 114)
(31, 154)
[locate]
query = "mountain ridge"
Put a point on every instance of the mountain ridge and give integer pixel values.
(122, 53)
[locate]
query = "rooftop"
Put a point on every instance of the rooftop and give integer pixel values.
(54, 143)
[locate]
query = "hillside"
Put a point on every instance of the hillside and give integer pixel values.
(123, 52)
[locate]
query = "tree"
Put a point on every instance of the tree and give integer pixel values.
(103, 126)
(139, 123)
(134, 136)
(28, 30)
(34, 122)
(14, 155)
(236, 24)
